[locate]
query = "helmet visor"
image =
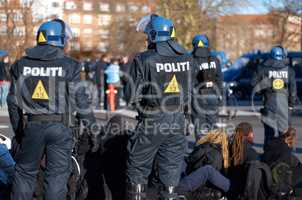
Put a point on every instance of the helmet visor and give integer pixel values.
(68, 32)
(144, 22)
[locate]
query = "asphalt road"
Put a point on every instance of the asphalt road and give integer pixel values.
(103, 117)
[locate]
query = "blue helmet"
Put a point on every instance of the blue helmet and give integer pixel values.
(200, 41)
(55, 32)
(278, 53)
(158, 28)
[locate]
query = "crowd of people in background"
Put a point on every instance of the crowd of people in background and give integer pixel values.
(104, 71)
(101, 72)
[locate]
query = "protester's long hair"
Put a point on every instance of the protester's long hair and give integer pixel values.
(238, 144)
(220, 137)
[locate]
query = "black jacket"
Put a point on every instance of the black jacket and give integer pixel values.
(238, 174)
(59, 74)
(277, 82)
(205, 154)
(161, 72)
(208, 69)
(3, 72)
(278, 151)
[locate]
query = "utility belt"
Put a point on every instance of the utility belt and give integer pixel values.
(45, 118)
(179, 108)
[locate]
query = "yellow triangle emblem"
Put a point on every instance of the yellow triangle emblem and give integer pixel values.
(173, 34)
(200, 44)
(40, 92)
(41, 38)
(173, 86)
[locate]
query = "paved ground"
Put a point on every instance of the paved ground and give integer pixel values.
(242, 115)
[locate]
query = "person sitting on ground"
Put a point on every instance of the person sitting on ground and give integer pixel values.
(204, 165)
(241, 153)
(7, 167)
(280, 150)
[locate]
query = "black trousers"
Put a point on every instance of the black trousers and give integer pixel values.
(56, 142)
(160, 135)
(205, 114)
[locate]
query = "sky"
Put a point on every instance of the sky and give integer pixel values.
(255, 7)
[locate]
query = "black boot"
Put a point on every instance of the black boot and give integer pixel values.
(135, 192)
(168, 193)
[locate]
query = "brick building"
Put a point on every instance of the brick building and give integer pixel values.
(92, 21)
(238, 34)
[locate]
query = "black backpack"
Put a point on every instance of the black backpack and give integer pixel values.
(265, 183)
(205, 154)
(282, 176)
(258, 182)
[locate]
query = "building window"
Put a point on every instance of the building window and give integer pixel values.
(104, 20)
(87, 31)
(104, 33)
(70, 5)
(55, 4)
(3, 30)
(19, 31)
(87, 19)
(75, 46)
(146, 9)
(87, 6)
(120, 8)
(260, 33)
(3, 17)
(102, 46)
(17, 16)
(104, 7)
(76, 32)
(88, 45)
(74, 18)
(133, 7)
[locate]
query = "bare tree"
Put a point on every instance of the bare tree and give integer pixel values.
(19, 23)
(196, 16)
(287, 21)
(123, 39)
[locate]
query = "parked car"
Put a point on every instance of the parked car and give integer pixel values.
(237, 79)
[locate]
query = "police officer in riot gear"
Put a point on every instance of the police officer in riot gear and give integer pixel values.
(159, 88)
(208, 91)
(44, 89)
(275, 80)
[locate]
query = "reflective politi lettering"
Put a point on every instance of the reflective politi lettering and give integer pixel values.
(173, 67)
(43, 71)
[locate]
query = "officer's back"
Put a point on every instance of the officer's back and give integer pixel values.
(166, 75)
(42, 89)
(276, 81)
(160, 89)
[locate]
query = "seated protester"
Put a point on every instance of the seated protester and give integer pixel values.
(203, 166)
(7, 169)
(114, 157)
(279, 156)
(7, 164)
(241, 153)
